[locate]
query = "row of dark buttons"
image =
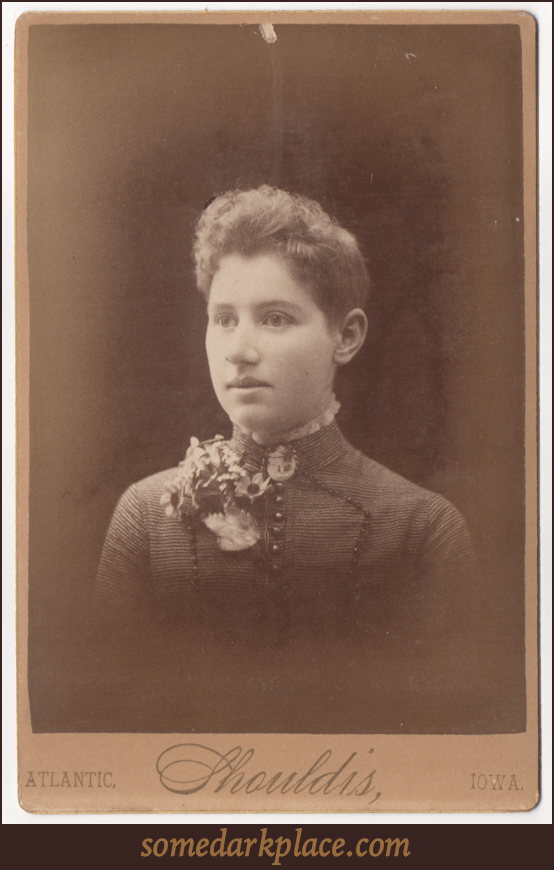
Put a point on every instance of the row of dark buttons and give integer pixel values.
(277, 519)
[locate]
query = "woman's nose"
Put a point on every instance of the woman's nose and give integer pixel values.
(243, 349)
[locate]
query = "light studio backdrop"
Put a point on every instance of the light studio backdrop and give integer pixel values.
(411, 137)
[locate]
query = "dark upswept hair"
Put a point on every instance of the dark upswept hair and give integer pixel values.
(318, 251)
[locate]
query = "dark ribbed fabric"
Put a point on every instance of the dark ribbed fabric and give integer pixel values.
(413, 563)
(360, 610)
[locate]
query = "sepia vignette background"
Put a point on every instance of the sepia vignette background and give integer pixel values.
(411, 136)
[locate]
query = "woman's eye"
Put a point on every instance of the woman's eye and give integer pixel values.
(276, 320)
(224, 320)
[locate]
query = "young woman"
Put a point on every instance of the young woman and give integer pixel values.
(285, 536)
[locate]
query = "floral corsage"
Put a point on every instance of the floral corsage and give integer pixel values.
(222, 492)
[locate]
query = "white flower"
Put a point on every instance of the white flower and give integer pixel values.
(170, 499)
(252, 487)
(235, 530)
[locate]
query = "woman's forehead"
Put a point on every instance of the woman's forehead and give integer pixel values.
(257, 279)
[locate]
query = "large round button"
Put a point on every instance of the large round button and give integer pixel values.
(276, 548)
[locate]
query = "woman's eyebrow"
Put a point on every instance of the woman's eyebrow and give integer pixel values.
(284, 304)
(220, 306)
(279, 303)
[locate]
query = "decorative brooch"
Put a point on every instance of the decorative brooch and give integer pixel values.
(222, 492)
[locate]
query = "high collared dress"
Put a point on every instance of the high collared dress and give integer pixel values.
(360, 609)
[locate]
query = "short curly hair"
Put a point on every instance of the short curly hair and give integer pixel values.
(318, 251)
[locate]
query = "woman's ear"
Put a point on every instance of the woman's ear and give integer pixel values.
(352, 336)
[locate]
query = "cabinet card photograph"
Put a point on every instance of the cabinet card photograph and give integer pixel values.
(276, 289)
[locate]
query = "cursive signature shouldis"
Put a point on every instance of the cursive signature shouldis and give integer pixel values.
(187, 768)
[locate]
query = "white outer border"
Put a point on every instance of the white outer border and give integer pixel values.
(13, 814)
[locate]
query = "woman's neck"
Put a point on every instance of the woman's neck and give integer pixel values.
(307, 428)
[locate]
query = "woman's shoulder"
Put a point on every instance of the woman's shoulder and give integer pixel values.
(144, 494)
(155, 483)
(149, 490)
(384, 486)
(379, 477)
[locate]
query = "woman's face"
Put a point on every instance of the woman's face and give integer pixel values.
(270, 347)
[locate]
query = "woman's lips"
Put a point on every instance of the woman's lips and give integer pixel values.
(246, 384)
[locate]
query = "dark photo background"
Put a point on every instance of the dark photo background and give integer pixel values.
(412, 137)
